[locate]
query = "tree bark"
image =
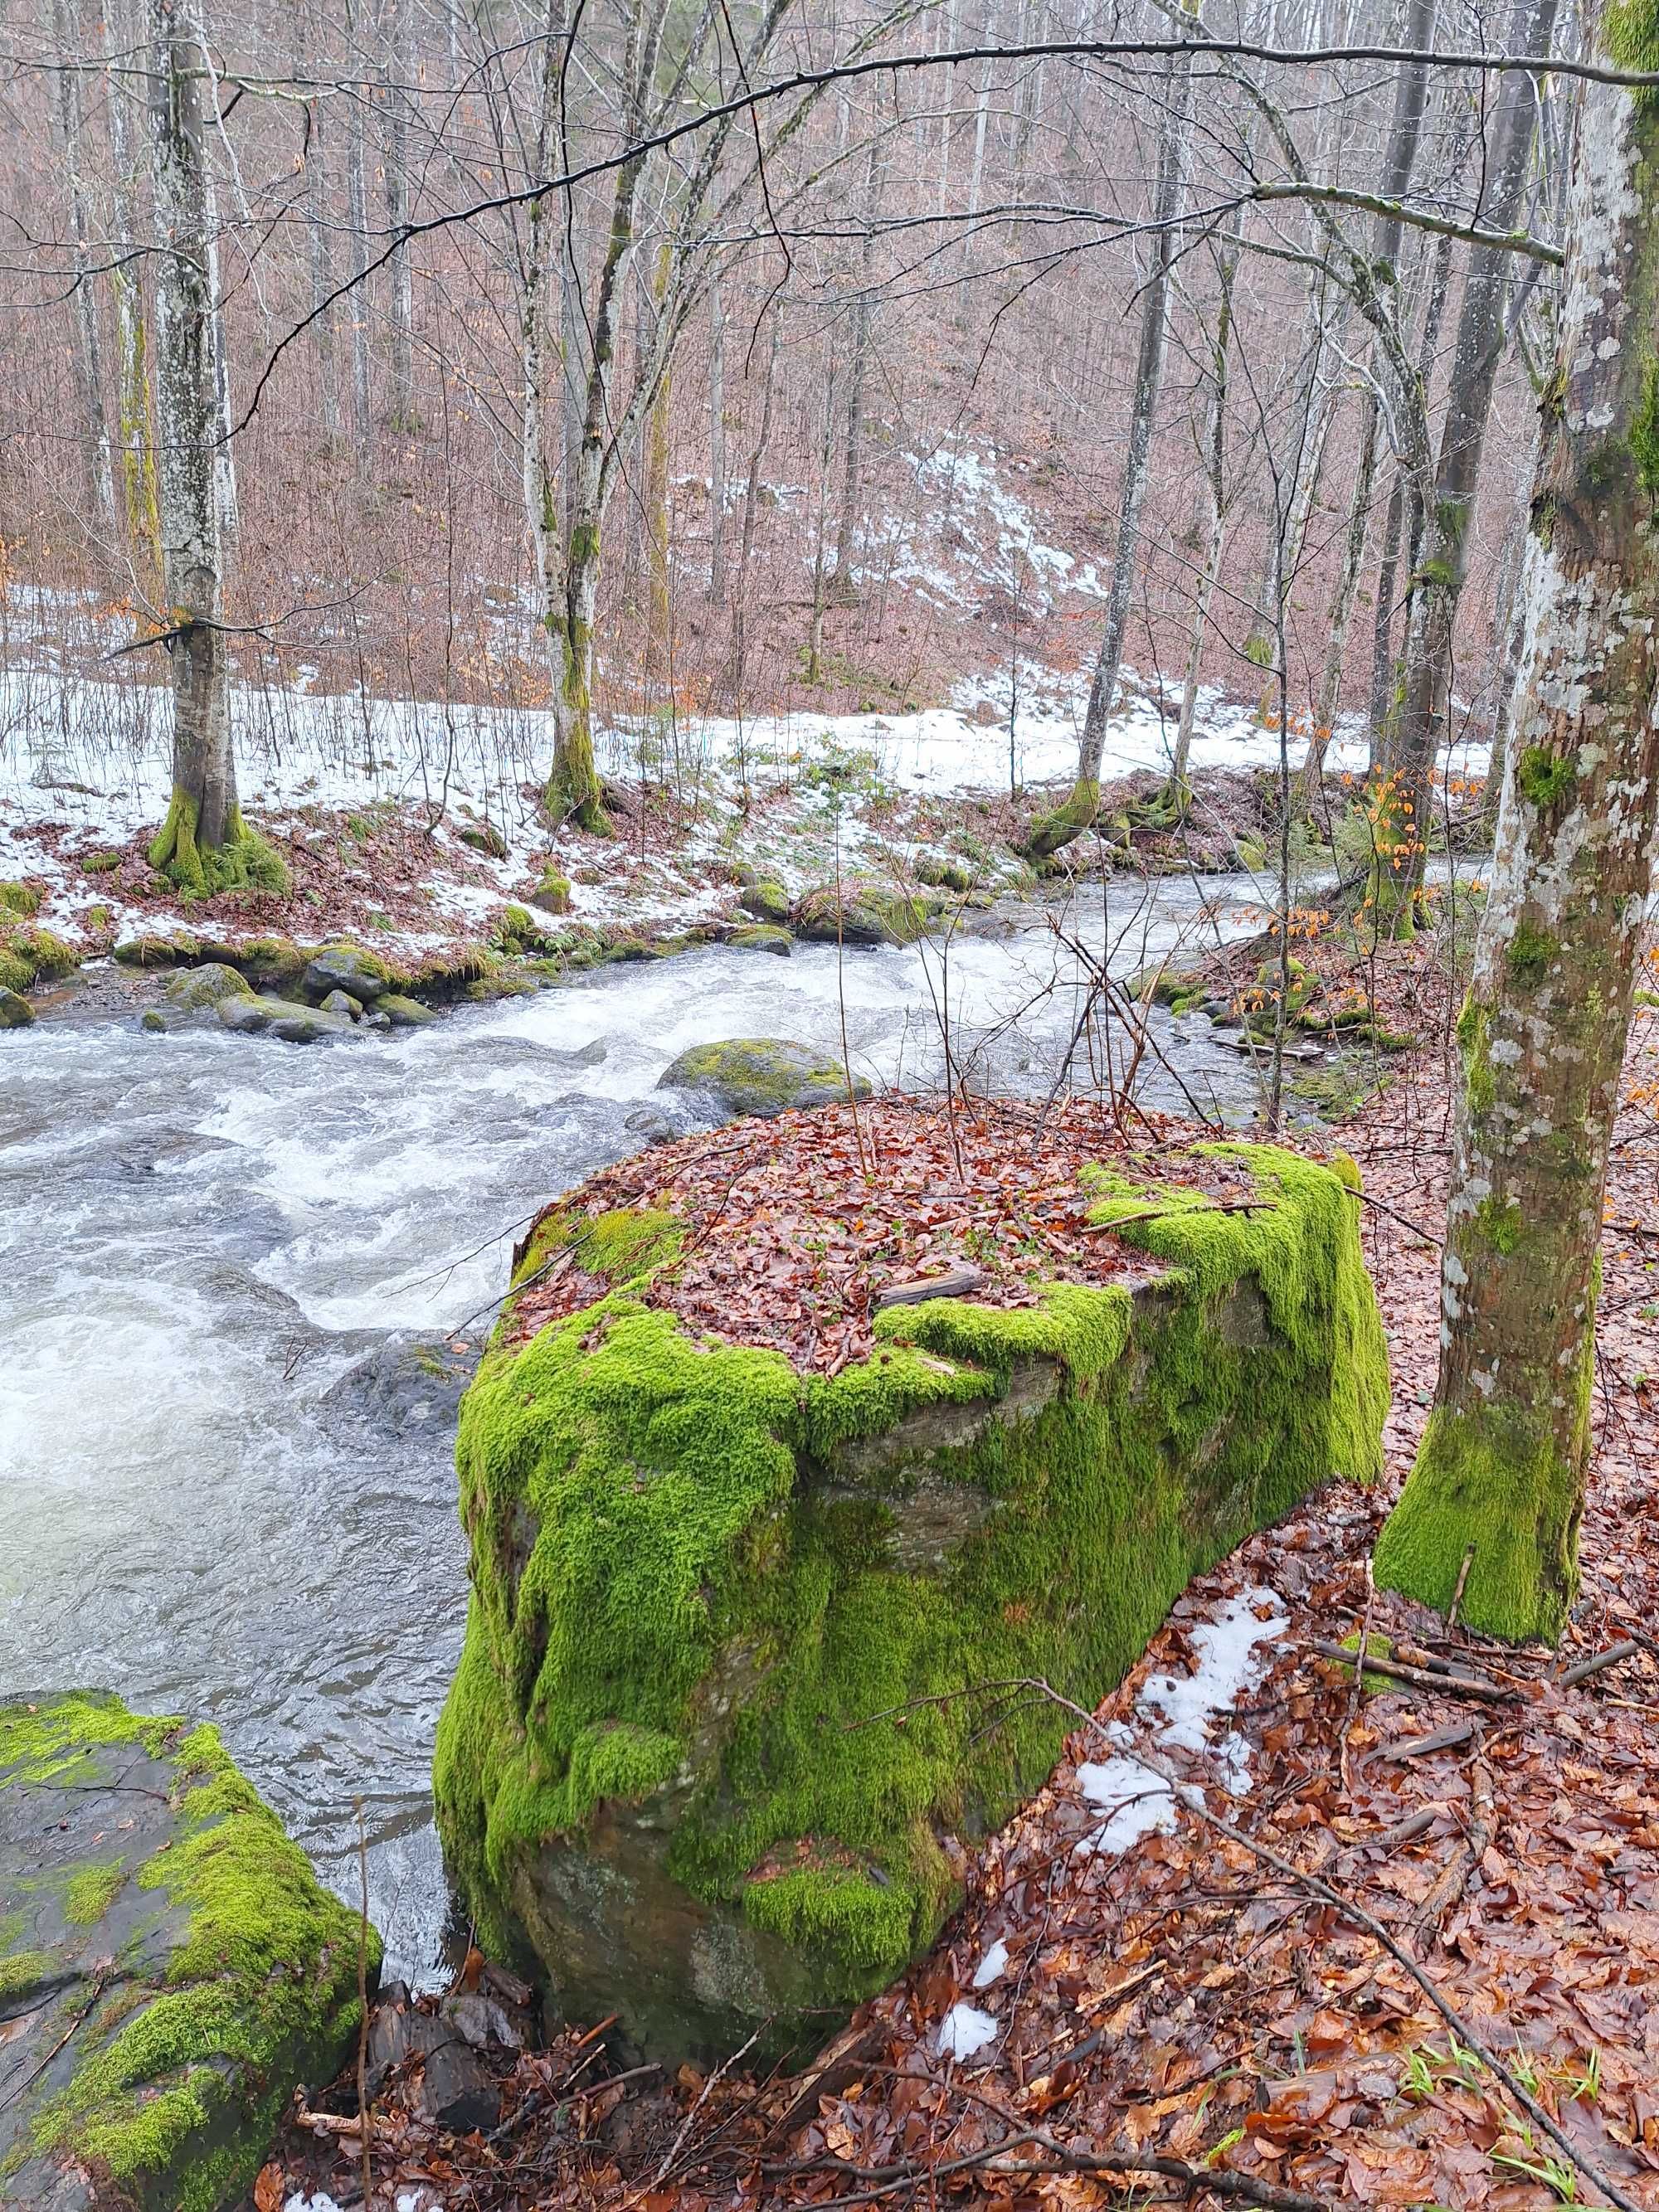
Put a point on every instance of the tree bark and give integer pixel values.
(1499, 1478)
(1401, 806)
(362, 420)
(135, 413)
(90, 350)
(202, 844)
(716, 444)
(395, 90)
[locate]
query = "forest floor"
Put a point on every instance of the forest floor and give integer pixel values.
(1401, 1949)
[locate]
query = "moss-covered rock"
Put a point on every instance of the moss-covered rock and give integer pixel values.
(762, 937)
(766, 900)
(860, 913)
(20, 899)
(552, 893)
(180, 950)
(485, 837)
(30, 955)
(253, 1016)
(206, 985)
(347, 968)
(942, 874)
(170, 1966)
(720, 1715)
(762, 1075)
(403, 1013)
(16, 1012)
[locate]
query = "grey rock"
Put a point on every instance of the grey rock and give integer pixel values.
(16, 1012)
(458, 2089)
(405, 1013)
(766, 1076)
(282, 1017)
(651, 1126)
(207, 986)
(346, 968)
(341, 1002)
(762, 937)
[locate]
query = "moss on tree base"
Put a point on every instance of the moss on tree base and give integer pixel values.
(242, 860)
(682, 1768)
(1486, 1485)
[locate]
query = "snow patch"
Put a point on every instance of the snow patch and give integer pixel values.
(990, 1967)
(1229, 1661)
(1137, 1801)
(964, 2031)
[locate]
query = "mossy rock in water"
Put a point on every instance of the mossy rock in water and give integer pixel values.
(718, 1728)
(282, 1018)
(762, 1075)
(206, 985)
(860, 913)
(347, 968)
(170, 1966)
(404, 1013)
(16, 1012)
(762, 937)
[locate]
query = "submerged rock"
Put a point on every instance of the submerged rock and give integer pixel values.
(282, 1017)
(207, 986)
(16, 1012)
(762, 1075)
(169, 1965)
(762, 937)
(404, 1013)
(699, 1579)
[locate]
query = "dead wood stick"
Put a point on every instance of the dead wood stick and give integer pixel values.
(1582, 1669)
(955, 1283)
(888, 2181)
(1416, 1678)
(1419, 1746)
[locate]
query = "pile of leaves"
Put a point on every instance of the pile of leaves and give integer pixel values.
(797, 1229)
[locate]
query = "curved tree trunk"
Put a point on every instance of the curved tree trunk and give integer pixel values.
(1499, 1480)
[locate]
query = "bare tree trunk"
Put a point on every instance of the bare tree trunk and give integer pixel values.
(1499, 1478)
(538, 476)
(1051, 832)
(750, 513)
(135, 413)
(1443, 564)
(846, 520)
(1347, 584)
(820, 536)
(1215, 485)
(89, 358)
(321, 243)
(658, 609)
(362, 419)
(716, 444)
(202, 845)
(396, 93)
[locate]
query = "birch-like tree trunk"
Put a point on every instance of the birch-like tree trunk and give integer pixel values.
(1051, 831)
(202, 844)
(95, 455)
(321, 237)
(716, 444)
(1215, 494)
(851, 489)
(395, 89)
(1499, 1478)
(362, 421)
(1401, 807)
(135, 414)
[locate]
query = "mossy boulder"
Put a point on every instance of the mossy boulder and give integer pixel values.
(403, 1013)
(170, 1966)
(20, 899)
(178, 950)
(943, 875)
(16, 1012)
(719, 1726)
(552, 893)
(767, 901)
(762, 937)
(206, 987)
(282, 1018)
(30, 955)
(860, 913)
(347, 968)
(762, 1075)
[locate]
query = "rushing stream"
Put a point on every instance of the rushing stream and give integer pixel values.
(225, 1479)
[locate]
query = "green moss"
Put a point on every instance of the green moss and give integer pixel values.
(90, 1893)
(1474, 1038)
(101, 864)
(29, 955)
(1499, 1224)
(243, 860)
(1491, 1481)
(1543, 776)
(19, 898)
(1378, 1646)
(179, 2083)
(1051, 831)
(1630, 38)
(658, 1537)
(24, 1971)
(1529, 953)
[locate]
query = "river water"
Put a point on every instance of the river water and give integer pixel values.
(225, 1486)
